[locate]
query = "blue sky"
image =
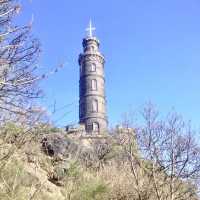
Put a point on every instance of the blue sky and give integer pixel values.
(152, 51)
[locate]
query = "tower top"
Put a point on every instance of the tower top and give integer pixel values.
(90, 29)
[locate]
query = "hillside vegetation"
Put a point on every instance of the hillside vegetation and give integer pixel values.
(157, 159)
(46, 163)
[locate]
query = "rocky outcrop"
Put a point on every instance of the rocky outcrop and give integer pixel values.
(58, 144)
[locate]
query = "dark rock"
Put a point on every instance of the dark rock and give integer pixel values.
(58, 144)
(62, 148)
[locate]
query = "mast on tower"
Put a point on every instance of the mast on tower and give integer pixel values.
(90, 29)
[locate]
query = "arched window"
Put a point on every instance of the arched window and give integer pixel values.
(94, 105)
(94, 84)
(93, 67)
(95, 126)
(90, 127)
(92, 48)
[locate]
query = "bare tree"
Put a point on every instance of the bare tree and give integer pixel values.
(18, 57)
(173, 154)
(163, 155)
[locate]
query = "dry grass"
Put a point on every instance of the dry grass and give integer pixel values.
(26, 173)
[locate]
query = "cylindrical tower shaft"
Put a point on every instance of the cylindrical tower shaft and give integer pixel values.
(92, 102)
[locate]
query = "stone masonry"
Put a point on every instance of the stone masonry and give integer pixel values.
(92, 102)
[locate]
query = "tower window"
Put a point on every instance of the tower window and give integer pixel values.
(95, 106)
(92, 48)
(95, 126)
(93, 67)
(90, 127)
(94, 84)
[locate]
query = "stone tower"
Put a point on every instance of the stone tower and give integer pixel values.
(92, 102)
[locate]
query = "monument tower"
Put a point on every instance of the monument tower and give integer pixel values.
(92, 101)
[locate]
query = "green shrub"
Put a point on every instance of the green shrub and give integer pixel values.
(91, 190)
